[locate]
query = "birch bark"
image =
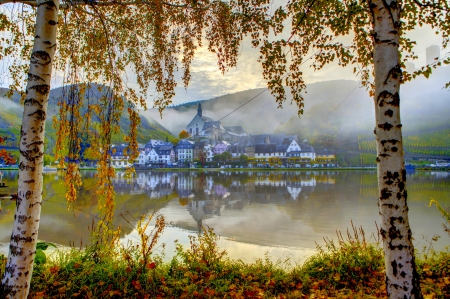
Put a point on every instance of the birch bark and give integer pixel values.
(24, 236)
(402, 280)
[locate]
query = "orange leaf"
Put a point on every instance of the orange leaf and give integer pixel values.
(54, 269)
(136, 284)
(152, 265)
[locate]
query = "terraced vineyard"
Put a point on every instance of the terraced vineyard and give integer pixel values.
(435, 144)
(367, 145)
(426, 142)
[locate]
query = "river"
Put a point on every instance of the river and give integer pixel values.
(283, 214)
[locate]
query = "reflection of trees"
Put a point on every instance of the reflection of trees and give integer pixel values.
(310, 199)
(225, 179)
(133, 198)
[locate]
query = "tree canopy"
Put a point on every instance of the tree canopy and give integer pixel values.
(378, 51)
(311, 36)
(183, 134)
(130, 49)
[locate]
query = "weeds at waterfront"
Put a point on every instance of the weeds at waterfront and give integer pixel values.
(349, 267)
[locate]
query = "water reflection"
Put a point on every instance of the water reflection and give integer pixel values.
(256, 209)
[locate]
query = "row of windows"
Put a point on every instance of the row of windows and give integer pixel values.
(185, 156)
(281, 155)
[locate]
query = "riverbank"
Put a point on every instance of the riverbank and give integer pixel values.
(50, 169)
(350, 268)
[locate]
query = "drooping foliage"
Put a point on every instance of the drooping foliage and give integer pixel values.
(132, 50)
(318, 32)
(106, 43)
(378, 50)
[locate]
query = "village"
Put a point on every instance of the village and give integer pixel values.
(209, 144)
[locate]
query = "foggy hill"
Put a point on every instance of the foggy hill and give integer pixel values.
(341, 103)
(12, 110)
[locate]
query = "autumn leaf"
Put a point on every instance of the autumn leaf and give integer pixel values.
(136, 284)
(54, 269)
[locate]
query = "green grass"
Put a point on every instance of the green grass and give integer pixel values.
(368, 159)
(349, 267)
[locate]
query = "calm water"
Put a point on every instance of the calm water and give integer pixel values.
(282, 213)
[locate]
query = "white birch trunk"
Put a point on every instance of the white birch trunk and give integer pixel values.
(402, 280)
(24, 236)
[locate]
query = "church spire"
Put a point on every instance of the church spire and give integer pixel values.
(199, 110)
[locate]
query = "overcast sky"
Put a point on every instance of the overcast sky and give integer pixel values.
(208, 82)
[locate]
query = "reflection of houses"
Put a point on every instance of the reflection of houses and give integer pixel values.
(207, 197)
(221, 191)
(290, 188)
(154, 185)
(123, 185)
(204, 209)
(185, 185)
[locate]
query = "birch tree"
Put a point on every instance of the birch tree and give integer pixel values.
(378, 50)
(101, 42)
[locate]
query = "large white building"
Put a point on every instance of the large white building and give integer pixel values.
(203, 126)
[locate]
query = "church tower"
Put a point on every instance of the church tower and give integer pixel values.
(199, 110)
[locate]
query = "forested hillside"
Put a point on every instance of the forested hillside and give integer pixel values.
(11, 115)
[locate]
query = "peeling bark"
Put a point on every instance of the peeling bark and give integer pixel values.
(402, 280)
(22, 248)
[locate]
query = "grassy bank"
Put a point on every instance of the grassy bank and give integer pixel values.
(347, 268)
